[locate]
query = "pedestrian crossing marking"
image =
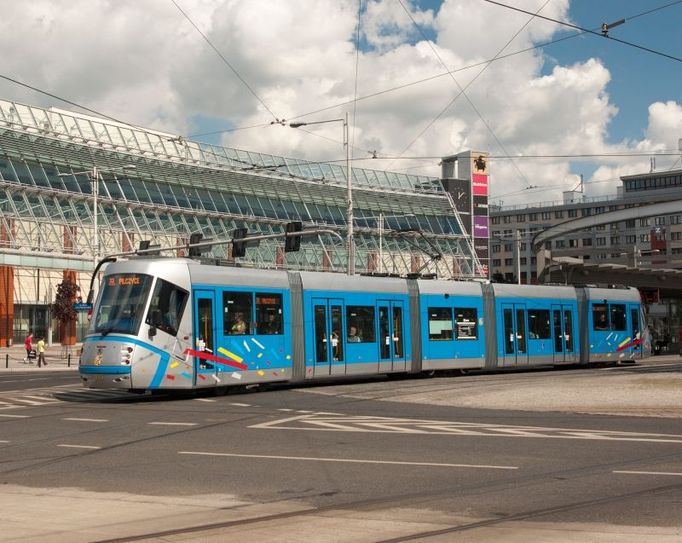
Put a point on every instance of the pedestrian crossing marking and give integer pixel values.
(42, 397)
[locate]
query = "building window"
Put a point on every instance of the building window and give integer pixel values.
(587, 242)
(558, 214)
(545, 215)
(508, 261)
(599, 209)
(497, 262)
(615, 240)
(675, 236)
(674, 219)
(644, 238)
(532, 217)
(600, 227)
(572, 212)
(496, 248)
(630, 223)
(659, 221)
(601, 242)
(560, 244)
(523, 246)
(520, 218)
(572, 242)
(586, 212)
(523, 261)
(506, 219)
(644, 222)
(508, 247)
(494, 220)
(630, 239)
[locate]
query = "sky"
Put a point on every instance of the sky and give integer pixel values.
(419, 79)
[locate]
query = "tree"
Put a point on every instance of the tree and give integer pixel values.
(63, 310)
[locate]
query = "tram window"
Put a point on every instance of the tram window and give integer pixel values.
(618, 317)
(268, 313)
(538, 324)
(166, 307)
(361, 319)
(237, 311)
(440, 323)
(600, 317)
(122, 303)
(465, 318)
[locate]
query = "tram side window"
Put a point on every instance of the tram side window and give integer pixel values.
(538, 324)
(600, 317)
(618, 317)
(167, 306)
(360, 324)
(465, 319)
(440, 323)
(237, 311)
(268, 313)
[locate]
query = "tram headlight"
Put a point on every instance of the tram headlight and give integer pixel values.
(126, 355)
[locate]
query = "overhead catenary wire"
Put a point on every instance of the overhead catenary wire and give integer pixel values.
(222, 57)
(600, 34)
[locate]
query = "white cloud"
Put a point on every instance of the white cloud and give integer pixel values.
(143, 62)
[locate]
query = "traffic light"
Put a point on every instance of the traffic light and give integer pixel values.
(195, 238)
(293, 243)
(238, 247)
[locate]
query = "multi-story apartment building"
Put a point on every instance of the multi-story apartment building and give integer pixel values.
(645, 242)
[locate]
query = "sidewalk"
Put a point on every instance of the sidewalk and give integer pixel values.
(57, 358)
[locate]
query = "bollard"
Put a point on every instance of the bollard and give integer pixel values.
(68, 361)
(6, 361)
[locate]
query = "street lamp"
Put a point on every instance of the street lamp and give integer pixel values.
(349, 187)
(380, 227)
(94, 176)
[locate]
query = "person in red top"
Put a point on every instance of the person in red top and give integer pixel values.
(28, 344)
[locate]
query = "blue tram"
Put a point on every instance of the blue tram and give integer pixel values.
(174, 323)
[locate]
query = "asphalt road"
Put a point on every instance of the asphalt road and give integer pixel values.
(332, 463)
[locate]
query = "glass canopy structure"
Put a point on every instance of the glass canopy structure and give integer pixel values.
(180, 187)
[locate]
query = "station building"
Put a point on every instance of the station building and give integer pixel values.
(75, 188)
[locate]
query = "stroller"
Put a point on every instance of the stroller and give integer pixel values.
(32, 355)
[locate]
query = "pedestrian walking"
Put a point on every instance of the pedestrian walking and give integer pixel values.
(28, 344)
(41, 351)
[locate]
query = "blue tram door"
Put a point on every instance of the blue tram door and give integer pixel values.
(635, 328)
(515, 334)
(563, 334)
(204, 337)
(329, 337)
(391, 335)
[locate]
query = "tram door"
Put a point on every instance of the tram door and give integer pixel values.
(635, 328)
(204, 337)
(329, 337)
(391, 335)
(563, 334)
(515, 334)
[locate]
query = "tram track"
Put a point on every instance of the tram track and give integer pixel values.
(413, 498)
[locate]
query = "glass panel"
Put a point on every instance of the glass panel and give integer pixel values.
(558, 340)
(122, 303)
(600, 317)
(508, 332)
(337, 332)
(320, 334)
(167, 307)
(568, 330)
(465, 319)
(398, 332)
(205, 332)
(634, 317)
(538, 324)
(440, 323)
(237, 313)
(618, 317)
(521, 330)
(384, 336)
(268, 314)
(360, 322)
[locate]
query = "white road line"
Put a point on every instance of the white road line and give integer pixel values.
(30, 402)
(347, 460)
(3, 441)
(285, 410)
(650, 473)
(203, 400)
(241, 404)
(16, 416)
(87, 420)
(78, 446)
(172, 423)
